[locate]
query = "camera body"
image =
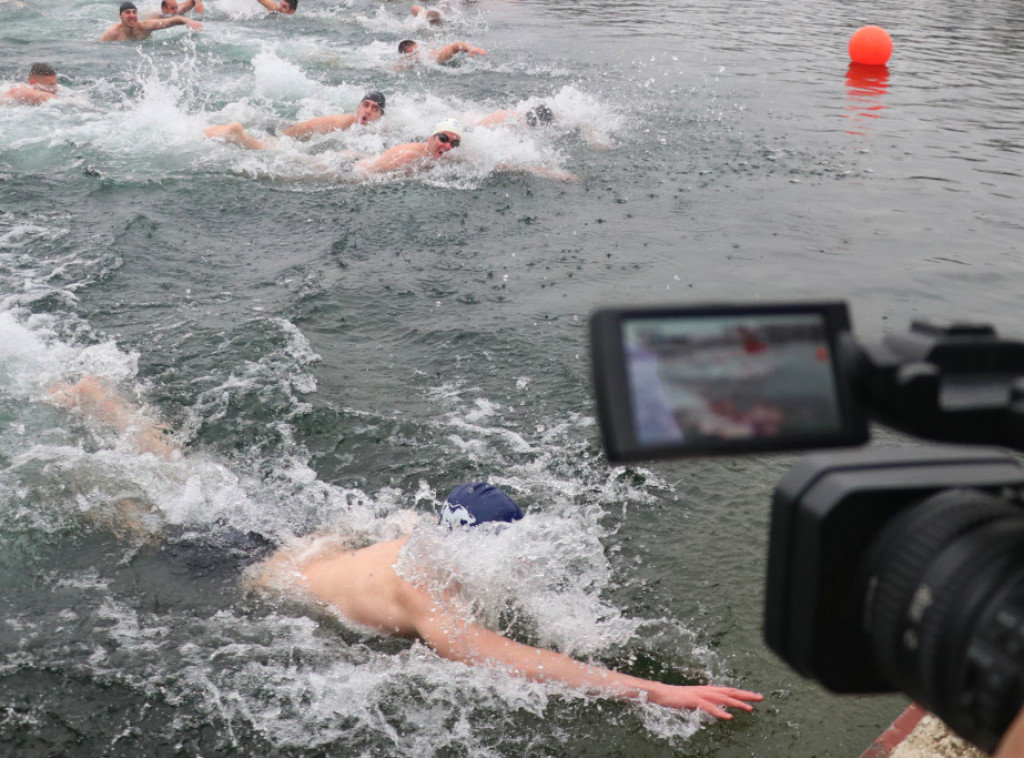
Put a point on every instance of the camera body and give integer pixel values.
(888, 568)
(904, 569)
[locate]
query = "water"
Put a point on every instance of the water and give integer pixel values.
(331, 353)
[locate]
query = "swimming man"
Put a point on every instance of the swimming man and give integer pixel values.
(370, 109)
(41, 87)
(131, 28)
(364, 587)
(433, 17)
(410, 50)
(172, 8)
(413, 156)
(287, 7)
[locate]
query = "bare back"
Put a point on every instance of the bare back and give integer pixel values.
(360, 584)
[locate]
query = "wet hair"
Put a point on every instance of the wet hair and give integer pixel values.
(41, 69)
(538, 115)
(435, 19)
(293, 4)
(164, 4)
(406, 45)
(129, 6)
(374, 97)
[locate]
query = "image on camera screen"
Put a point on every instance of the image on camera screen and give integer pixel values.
(726, 377)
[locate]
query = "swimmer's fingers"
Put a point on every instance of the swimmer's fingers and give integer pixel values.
(713, 700)
(476, 51)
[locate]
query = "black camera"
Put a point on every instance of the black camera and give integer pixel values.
(894, 568)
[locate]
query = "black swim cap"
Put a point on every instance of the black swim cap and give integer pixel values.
(375, 97)
(127, 7)
(539, 115)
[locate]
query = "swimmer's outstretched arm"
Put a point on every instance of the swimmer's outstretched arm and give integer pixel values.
(471, 643)
(167, 23)
(446, 53)
(319, 125)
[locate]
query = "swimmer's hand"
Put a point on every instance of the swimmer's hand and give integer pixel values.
(193, 25)
(711, 699)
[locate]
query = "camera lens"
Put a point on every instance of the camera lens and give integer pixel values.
(944, 609)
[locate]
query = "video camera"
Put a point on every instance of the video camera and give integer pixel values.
(888, 568)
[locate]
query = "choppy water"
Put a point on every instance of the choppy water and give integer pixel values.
(331, 353)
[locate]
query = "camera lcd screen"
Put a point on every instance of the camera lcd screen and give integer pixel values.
(722, 380)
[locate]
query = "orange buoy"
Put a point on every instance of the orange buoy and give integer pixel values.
(870, 46)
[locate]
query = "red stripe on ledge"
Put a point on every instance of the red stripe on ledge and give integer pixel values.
(896, 733)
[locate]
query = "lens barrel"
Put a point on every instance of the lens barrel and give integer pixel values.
(943, 588)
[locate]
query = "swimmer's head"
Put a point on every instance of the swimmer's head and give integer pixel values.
(434, 19)
(371, 108)
(448, 125)
(288, 6)
(539, 115)
(127, 7)
(407, 47)
(169, 7)
(444, 137)
(475, 503)
(42, 76)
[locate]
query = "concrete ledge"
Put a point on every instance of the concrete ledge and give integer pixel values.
(918, 734)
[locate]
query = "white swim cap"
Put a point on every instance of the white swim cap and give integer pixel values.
(447, 125)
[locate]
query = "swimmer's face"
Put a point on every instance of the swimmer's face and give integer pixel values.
(170, 7)
(412, 52)
(368, 112)
(441, 143)
(44, 83)
(130, 17)
(285, 7)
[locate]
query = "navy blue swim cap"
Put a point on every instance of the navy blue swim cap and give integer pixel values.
(477, 502)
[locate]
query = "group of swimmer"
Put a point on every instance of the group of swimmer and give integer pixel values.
(363, 584)
(445, 136)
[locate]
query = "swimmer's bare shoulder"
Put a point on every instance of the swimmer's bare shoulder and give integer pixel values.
(399, 156)
(360, 584)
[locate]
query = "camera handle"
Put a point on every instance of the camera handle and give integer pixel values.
(956, 382)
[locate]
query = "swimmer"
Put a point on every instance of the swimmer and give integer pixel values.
(287, 7)
(370, 109)
(41, 87)
(410, 51)
(413, 156)
(130, 28)
(540, 115)
(365, 588)
(445, 137)
(172, 8)
(433, 17)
